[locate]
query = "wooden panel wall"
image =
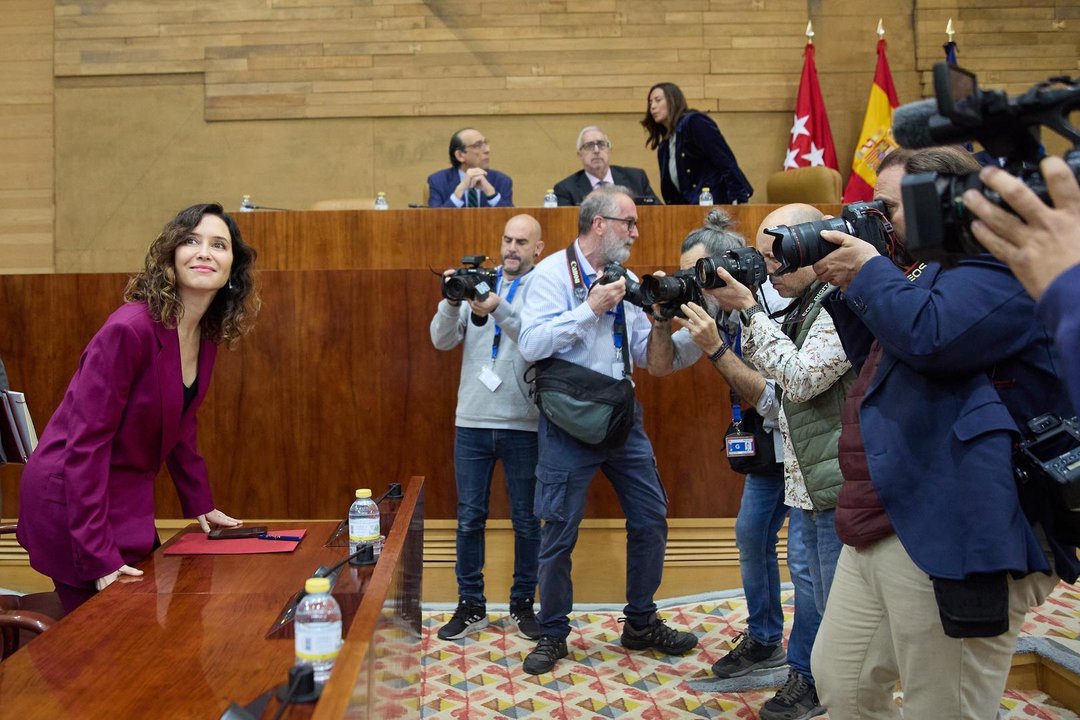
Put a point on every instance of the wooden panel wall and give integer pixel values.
(339, 387)
(26, 136)
(1010, 45)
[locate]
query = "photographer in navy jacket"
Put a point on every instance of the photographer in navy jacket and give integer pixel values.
(944, 551)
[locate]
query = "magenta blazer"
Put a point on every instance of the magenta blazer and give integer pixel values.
(86, 500)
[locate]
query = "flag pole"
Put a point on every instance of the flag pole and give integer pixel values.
(809, 32)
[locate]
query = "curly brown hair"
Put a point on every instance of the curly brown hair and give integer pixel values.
(234, 307)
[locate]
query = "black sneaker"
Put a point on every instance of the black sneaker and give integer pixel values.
(749, 655)
(544, 656)
(657, 636)
(469, 617)
(797, 700)
(521, 611)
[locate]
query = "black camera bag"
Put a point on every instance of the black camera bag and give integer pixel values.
(594, 408)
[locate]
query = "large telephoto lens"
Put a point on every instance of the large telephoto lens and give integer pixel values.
(797, 246)
(656, 290)
(744, 264)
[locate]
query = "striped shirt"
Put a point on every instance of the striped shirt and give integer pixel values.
(554, 323)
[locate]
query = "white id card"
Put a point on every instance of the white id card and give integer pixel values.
(618, 371)
(490, 379)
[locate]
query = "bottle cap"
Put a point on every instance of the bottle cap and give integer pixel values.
(363, 493)
(551, 190)
(379, 194)
(317, 585)
(704, 189)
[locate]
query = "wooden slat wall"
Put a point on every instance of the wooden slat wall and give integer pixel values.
(1010, 45)
(26, 136)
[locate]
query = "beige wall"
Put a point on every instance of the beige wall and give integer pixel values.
(26, 136)
(158, 105)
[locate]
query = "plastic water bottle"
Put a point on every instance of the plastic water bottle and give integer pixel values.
(380, 201)
(363, 521)
(246, 205)
(549, 198)
(705, 198)
(317, 628)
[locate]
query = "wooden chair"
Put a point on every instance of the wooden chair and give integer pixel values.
(806, 185)
(24, 617)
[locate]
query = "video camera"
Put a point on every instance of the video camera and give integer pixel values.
(938, 224)
(471, 282)
(797, 246)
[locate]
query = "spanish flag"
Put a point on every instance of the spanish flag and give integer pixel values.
(876, 138)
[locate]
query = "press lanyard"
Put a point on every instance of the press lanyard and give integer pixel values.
(734, 340)
(509, 299)
(581, 292)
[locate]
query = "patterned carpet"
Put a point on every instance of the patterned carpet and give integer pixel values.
(480, 677)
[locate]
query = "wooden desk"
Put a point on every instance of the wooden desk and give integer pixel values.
(189, 637)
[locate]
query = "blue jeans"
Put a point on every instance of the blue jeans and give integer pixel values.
(812, 558)
(563, 476)
(761, 513)
(475, 453)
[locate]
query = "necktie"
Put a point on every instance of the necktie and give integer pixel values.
(474, 198)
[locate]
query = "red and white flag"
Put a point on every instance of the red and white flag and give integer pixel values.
(811, 139)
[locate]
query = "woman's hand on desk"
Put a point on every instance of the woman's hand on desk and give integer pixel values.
(104, 582)
(216, 517)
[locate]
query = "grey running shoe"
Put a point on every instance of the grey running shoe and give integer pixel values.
(749, 655)
(657, 636)
(797, 700)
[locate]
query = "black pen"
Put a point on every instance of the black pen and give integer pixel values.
(293, 538)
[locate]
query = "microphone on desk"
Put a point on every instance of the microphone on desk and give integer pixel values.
(300, 689)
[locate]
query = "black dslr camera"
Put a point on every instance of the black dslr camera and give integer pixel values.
(471, 282)
(612, 272)
(939, 226)
(743, 263)
(670, 291)
(800, 245)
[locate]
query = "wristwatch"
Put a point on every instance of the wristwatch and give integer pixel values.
(749, 312)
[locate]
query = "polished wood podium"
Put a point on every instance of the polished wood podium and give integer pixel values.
(190, 636)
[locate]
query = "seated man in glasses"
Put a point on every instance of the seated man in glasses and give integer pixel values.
(594, 151)
(469, 182)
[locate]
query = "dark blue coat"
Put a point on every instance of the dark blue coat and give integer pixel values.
(702, 159)
(1059, 309)
(441, 186)
(965, 363)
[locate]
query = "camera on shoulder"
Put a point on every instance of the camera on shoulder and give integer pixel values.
(938, 223)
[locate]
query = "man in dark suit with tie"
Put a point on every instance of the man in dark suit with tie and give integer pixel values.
(469, 182)
(594, 151)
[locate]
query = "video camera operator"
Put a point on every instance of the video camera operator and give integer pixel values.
(1042, 246)
(944, 552)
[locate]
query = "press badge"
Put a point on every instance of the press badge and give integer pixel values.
(618, 371)
(740, 445)
(491, 380)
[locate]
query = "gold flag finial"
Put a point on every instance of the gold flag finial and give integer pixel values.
(949, 32)
(880, 29)
(809, 32)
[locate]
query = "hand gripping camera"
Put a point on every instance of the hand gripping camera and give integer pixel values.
(471, 282)
(938, 224)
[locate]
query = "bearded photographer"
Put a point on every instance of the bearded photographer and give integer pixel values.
(944, 552)
(1042, 246)
(763, 505)
(803, 354)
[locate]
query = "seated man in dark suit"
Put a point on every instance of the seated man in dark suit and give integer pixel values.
(469, 182)
(594, 150)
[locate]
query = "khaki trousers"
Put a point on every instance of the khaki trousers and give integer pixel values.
(881, 625)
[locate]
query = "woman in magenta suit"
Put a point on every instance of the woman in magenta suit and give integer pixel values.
(86, 500)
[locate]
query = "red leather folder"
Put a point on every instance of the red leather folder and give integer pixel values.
(195, 542)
